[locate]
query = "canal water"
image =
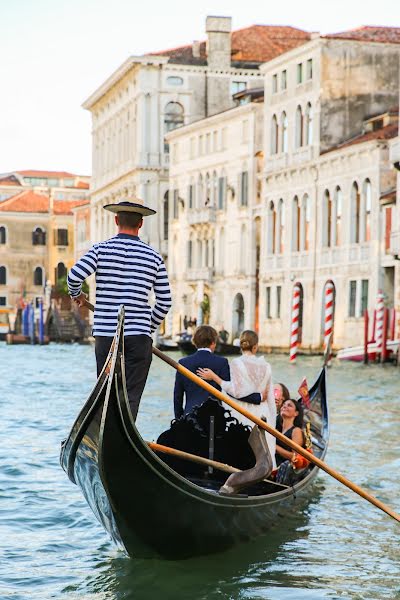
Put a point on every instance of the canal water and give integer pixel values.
(51, 545)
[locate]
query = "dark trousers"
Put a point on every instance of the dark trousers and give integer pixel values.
(137, 364)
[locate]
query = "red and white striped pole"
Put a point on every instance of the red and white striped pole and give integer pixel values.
(294, 333)
(329, 291)
(380, 310)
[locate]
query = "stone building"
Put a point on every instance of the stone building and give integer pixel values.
(328, 183)
(320, 198)
(36, 244)
(64, 185)
(395, 236)
(215, 197)
(150, 95)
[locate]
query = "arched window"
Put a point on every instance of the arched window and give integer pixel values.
(38, 278)
(309, 124)
(192, 194)
(281, 227)
(221, 258)
(367, 193)
(61, 271)
(207, 200)
(327, 220)
(39, 237)
(305, 218)
(295, 224)
(166, 214)
(174, 80)
(200, 192)
(222, 191)
(214, 189)
(271, 239)
(284, 129)
(199, 253)
(338, 217)
(3, 235)
(299, 128)
(3, 276)
(355, 214)
(243, 249)
(173, 118)
(274, 135)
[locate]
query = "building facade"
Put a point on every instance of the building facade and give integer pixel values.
(150, 95)
(327, 174)
(214, 231)
(36, 245)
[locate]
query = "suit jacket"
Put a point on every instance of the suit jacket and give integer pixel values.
(194, 394)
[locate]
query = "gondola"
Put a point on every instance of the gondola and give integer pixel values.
(158, 506)
(187, 347)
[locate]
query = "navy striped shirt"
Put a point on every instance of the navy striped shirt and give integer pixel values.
(127, 270)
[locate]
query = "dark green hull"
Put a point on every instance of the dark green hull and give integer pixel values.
(149, 509)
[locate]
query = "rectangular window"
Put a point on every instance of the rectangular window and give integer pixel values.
(309, 69)
(61, 237)
(278, 301)
(176, 200)
(221, 192)
(238, 86)
(268, 302)
(300, 73)
(284, 80)
(352, 298)
(364, 296)
(192, 147)
(190, 254)
(3, 301)
(244, 188)
(274, 83)
(208, 143)
(224, 136)
(200, 145)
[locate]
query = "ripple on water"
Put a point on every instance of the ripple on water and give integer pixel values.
(51, 546)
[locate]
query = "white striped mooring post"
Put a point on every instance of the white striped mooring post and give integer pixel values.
(380, 309)
(294, 333)
(329, 290)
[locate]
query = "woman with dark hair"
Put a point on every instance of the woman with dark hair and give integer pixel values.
(281, 393)
(290, 424)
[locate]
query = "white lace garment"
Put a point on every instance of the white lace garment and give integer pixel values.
(250, 374)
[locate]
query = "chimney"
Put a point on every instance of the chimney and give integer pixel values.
(196, 49)
(219, 42)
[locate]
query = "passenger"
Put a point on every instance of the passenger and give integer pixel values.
(290, 424)
(281, 393)
(205, 339)
(249, 374)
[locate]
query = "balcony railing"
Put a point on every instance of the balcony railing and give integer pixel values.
(202, 215)
(200, 274)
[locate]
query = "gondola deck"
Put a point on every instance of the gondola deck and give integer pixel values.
(154, 506)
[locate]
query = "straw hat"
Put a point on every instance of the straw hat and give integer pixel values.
(127, 206)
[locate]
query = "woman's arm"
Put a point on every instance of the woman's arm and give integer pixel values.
(297, 436)
(209, 375)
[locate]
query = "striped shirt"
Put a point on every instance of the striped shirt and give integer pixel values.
(127, 270)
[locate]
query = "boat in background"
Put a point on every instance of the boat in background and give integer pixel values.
(187, 347)
(356, 353)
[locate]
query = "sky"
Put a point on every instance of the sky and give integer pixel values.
(55, 53)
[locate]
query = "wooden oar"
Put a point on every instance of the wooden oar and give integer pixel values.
(201, 460)
(314, 459)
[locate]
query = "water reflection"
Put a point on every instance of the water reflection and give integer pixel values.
(231, 574)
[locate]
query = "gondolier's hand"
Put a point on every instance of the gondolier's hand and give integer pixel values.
(81, 299)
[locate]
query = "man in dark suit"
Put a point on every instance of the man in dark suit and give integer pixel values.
(205, 339)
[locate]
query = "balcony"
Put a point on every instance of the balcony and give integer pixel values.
(302, 155)
(202, 215)
(359, 253)
(300, 260)
(395, 243)
(276, 162)
(201, 274)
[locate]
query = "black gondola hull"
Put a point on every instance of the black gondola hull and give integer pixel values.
(149, 509)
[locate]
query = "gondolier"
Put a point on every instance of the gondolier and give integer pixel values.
(127, 271)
